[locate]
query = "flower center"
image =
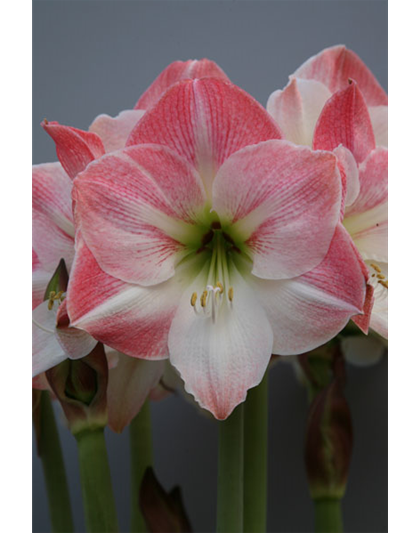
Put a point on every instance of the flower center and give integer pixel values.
(218, 290)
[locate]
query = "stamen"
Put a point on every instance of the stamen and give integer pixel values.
(193, 298)
(218, 284)
(380, 276)
(230, 294)
(375, 267)
(383, 283)
(55, 297)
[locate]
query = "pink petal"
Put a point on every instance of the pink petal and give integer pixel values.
(177, 71)
(52, 219)
(349, 176)
(129, 384)
(131, 319)
(345, 120)
(307, 311)
(114, 131)
(75, 148)
(373, 173)
(40, 280)
(205, 121)
(335, 65)
(379, 119)
(133, 208)
(273, 194)
(297, 108)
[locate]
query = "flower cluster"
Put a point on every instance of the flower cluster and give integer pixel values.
(202, 228)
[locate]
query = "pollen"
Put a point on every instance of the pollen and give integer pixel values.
(375, 267)
(203, 299)
(193, 298)
(55, 297)
(383, 283)
(380, 276)
(219, 284)
(230, 294)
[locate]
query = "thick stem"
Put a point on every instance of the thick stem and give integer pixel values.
(255, 458)
(54, 471)
(141, 457)
(95, 477)
(328, 516)
(230, 473)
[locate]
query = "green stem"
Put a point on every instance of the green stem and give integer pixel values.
(230, 473)
(95, 477)
(54, 471)
(328, 516)
(255, 458)
(141, 457)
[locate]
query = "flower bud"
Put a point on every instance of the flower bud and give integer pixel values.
(329, 438)
(80, 386)
(162, 511)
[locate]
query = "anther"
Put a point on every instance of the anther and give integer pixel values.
(230, 294)
(375, 267)
(383, 283)
(193, 298)
(203, 299)
(380, 276)
(218, 284)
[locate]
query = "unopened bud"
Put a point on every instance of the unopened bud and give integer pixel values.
(80, 386)
(162, 511)
(329, 438)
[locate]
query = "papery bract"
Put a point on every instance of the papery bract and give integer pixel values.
(179, 239)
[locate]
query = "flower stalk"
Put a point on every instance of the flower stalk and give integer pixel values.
(49, 451)
(328, 516)
(231, 473)
(141, 452)
(255, 458)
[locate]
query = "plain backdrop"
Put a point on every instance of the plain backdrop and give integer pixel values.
(92, 57)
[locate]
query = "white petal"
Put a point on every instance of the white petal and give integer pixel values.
(363, 351)
(379, 119)
(220, 360)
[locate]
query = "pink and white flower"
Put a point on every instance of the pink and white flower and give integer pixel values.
(202, 240)
(333, 102)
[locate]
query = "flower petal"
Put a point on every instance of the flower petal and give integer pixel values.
(220, 360)
(76, 343)
(349, 174)
(273, 194)
(46, 351)
(345, 120)
(131, 319)
(129, 384)
(373, 177)
(75, 148)
(205, 121)
(134, 207)
(297, 108)
(114, 131)
(335, 65)
(379, 119)
(379, 320)
(363, 351)
(40, 280)
(177, 71)
(52, 219)
(308, 311)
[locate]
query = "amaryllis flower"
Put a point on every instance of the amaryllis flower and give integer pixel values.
(211, 240)
(338, 105)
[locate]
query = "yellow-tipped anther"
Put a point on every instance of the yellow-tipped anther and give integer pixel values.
(203, 299)
(380, 276)
(51, 300)
(193, 298)
(218, 284)
(383, 283)
(230, 294)
(375, 267)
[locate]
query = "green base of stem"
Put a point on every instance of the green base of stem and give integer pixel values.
(54, 470)
(95, 477)
(141, 457)
(230, 473)
(328, 516)
(255, 458)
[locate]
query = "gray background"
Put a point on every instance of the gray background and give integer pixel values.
(92, 57)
